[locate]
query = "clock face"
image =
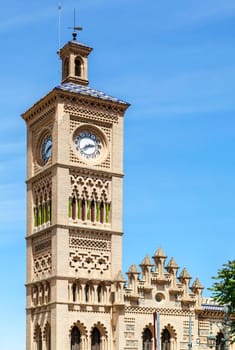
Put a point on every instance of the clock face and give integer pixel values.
(46, 148)
(88, 144)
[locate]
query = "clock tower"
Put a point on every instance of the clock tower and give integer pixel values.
(74, 212)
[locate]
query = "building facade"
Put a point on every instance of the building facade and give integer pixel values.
(77, 296)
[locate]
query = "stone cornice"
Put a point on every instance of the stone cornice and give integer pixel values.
(82, 169)
(52, 229)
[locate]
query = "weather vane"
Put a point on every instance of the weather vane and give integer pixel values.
(75, 29)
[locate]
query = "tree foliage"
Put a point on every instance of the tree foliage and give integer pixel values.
(223, 291)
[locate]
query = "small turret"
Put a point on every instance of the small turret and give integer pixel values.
(133, 275)
(197, 289)
(159, 259)
(74, 63)
(118, 290)
(172, 269)
(146, 267)
(185, 278)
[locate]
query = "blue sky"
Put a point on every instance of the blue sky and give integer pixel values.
(174, 61)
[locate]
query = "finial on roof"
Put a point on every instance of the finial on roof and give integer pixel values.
(172, 264)
(184, 274)
(197, 284)
(119, 277)
(146, 261)
(160, 253)
(75, 29)
(133, 269)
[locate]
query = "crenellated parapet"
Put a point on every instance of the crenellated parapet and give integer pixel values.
(160, 282)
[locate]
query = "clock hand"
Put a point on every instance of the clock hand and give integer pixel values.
(48, 148)
(87, 146)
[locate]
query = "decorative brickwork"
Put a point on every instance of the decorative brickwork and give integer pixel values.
(96, 111)
(89, 251)
(41, 246)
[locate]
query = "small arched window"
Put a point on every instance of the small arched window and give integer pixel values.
(75, 339)
(35, 295)
(95, 339)
(99, 290)
(66, 67)
(78, 67)
(147, 339)
(87, 293)
(166, 340)
(48, 337)
(47, 293)
(38, 338)
(74, 291)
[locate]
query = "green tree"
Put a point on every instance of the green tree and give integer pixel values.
(223, 292)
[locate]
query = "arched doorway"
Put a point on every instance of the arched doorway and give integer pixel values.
(165, 340)
(38, 338)
(75, 339)
(147, 339)
(95, 339)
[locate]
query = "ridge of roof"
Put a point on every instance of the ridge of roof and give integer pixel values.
(88, 91)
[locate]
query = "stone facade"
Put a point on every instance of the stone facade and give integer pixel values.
(77, 297)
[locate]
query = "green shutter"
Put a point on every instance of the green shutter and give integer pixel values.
(35, 216)
(107, 212)
(44, 212)
(70, 207)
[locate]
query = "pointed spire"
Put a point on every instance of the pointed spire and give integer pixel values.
(119, 277)
(160, 253)
(146, 261)
(133, 269)
(172, 264)
(184, 274)
(197, 285)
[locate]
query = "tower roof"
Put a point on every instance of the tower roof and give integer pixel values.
(72, 88)
(88, 91)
